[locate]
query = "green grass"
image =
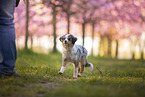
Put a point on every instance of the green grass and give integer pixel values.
(39, 77)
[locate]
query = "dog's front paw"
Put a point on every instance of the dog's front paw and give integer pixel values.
(74, 77)
(60, 72)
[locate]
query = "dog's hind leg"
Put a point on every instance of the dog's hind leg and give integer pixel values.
(81, 67)
(63, 67)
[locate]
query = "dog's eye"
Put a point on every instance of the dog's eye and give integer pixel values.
(64, 38)
(68, 39)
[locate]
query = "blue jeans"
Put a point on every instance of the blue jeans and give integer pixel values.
(7, 37)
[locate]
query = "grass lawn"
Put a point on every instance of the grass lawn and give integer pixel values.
(39, 77)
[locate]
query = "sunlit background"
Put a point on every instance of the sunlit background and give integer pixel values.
(111, 28)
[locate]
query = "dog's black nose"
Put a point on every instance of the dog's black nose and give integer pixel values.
(65, 42)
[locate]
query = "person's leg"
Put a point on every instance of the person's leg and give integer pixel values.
(7, 37)
(8, 52)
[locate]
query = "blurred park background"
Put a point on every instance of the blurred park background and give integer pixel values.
(107, 28)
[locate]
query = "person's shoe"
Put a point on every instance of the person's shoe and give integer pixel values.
(4, 76)
(15, 74)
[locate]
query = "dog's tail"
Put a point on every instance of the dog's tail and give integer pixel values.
(89, 65)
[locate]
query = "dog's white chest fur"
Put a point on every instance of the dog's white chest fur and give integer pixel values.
(69, 53)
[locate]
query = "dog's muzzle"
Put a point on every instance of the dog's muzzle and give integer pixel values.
(65, 41)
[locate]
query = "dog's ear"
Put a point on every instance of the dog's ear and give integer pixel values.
(74, 39)
(61, 38)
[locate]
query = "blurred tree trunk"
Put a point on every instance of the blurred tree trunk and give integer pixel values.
(133, 44)
(27, 24)
(54, 29)
(142, 53)
(31, 41)
(116, 48)
(133, 55)
(83, 29)
(93, 29)
(109, 47)
(101, 45)
(68, 24)
(142, 50)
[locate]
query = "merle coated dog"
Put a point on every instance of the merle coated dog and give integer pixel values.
(75, 54)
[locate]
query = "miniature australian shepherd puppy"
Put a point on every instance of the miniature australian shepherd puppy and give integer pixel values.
(75, 54)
